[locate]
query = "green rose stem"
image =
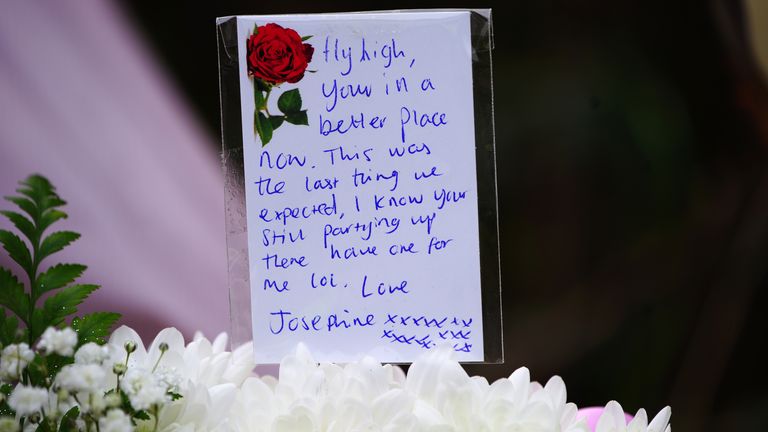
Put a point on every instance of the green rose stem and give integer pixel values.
(266, 101)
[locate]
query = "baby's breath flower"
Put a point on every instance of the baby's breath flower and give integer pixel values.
(8, 424)
(14, 359)
(144, 389)
(26, 400)
(61, 342)
(112, 400)
(115, 421)
(81, 378)
(91, 353)
(170, 379)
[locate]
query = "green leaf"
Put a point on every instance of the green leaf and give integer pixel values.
(94, 327)
(25, 204)
(17, 249)
(175, 396)
(5, 410)
(298, 118)
(12, 294)
(276, 121)
(37, 371)
(64, 303)
(69, 421)
(48, 218)
(258, 96)
(55, 242)
(9, 325)
(52, 365)
(141, 415)
(305, 38)
(56, 277)
(44, 426)
(40, 189)
(263, 127)
(289, 102)
(24, 225)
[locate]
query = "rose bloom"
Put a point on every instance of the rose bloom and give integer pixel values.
(276, 54)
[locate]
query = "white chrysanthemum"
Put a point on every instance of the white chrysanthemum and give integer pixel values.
(143, 388)
(115, 421)
(27, 400)
(91, 353)
(220, 394)
(77, 378)
(613, 420)
(203, 372)
(437, 394)
(8, 424)
(61, 342)
(14, 360)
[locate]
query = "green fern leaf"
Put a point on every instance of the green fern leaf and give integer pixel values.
(12, 294)
(94, 327)
(56, 277)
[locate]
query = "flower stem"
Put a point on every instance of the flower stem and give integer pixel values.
(156, 412)
(266, 101)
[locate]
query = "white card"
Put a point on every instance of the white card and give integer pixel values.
(362, 223)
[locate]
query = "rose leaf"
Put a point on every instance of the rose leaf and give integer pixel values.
(289, 102)
(263, 127)
(276, 121)
(297, 118)
(306, 38)
(258, 98)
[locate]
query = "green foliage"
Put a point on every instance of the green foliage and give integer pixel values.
(69, 421)
(39, 206)
(263, 127)
(289, 102)
(297, 118)
(94, 327)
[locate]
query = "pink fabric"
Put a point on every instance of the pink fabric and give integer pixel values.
(85, 105)
(592, 414)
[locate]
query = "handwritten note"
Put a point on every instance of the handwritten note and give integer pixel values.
(362, 216)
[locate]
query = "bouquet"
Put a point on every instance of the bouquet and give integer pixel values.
(63, 372)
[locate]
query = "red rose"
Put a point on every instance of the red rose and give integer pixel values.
(277, 54)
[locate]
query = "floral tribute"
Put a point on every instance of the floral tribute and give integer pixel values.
(64, 375)
(276, 55)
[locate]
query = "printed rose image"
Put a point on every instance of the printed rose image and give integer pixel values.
(276, 55)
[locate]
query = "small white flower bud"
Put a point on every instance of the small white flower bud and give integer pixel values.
(130, 346)
(112, 400)
(119, 368)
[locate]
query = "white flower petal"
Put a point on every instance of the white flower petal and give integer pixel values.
(612, 419)
(659, 423)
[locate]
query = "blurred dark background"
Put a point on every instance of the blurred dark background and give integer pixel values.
(633, 190)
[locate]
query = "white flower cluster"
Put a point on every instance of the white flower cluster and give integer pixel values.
(436, 395)
(14, 360)
(98, 377)
(203, 387)
(61, 342)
